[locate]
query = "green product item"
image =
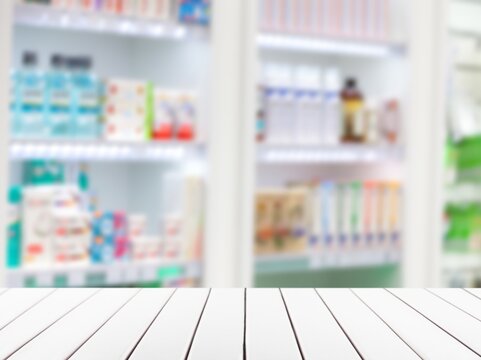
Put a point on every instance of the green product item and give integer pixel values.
(150, 112)
(60, 281)
(464, 226)
(14, 228)
(469, 153)
(43, 172)
(169, 272)
(30, 282)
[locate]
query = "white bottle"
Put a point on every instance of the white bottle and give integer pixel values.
(331, 126)
(308, 97)
(280, 109)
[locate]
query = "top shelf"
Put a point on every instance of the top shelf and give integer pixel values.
(330, 45)
(45, 16)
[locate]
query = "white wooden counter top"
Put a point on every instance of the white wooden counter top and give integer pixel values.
(236, 324)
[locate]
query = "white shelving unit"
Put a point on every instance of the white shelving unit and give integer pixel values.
(127, 175)
(381, 67)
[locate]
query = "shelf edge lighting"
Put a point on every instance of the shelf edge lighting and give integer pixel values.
(46, 17)
(329, 46)
(101, 150)
(328, 154)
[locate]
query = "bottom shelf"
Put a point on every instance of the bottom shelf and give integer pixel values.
(311, 261)
(100, 275)
(461, 261)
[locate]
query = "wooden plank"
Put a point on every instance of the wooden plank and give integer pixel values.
(172, 331)
(38, 318)
(61, 339)
(429, 341)
(462, 299)
(319, 334)
(134, 318)
(459, 324)
(364, 328)
(223, 318)
(269, 334)
(15, 302)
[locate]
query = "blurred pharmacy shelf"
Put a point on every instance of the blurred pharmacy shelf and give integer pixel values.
(311, 261)
(34, 15)
(329, 45)
(328, 154)
(117, 274)
(103, 150)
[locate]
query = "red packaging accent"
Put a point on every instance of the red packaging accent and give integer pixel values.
(185, 132)
(163, 132)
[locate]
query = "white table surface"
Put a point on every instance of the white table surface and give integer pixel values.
(237, 324)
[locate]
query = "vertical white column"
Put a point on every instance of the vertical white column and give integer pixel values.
(424, 150)
(5, 51)
(248, 158)
(230, 146)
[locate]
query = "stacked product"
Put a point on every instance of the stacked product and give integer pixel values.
(357, 19)
(188, 11)
(329, 218)
(64, 102)
(69, 102)
(303, 107)
(51, 222)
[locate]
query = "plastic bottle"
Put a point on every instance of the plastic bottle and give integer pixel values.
(308, 102)
(331, 125)
(86, 92)
(31, 98)
(14, 228)
(59, 98)
(280, 105)
(352, 104)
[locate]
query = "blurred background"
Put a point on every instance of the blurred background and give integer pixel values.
(262, 143)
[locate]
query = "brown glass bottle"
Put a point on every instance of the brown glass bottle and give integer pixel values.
(352, 122)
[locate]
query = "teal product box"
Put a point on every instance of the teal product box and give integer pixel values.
(14, 228)
(15, 104)
(86, 100)
(59, 99)
(31, 100)
(43, 172)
